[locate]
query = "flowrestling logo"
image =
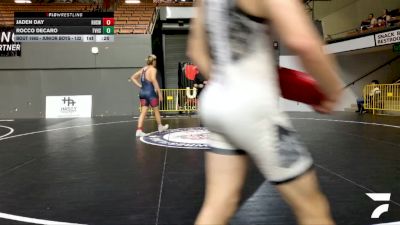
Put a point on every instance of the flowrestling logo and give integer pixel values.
(379, 197)
(186, 138)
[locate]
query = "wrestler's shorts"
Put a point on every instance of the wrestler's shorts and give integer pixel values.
(265, 134)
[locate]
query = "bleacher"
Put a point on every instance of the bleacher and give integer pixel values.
(129, 19)
(134, 18)
(358, 31)
(7, 10)
(176, 4)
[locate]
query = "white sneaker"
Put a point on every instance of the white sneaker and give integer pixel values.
(140, 133)
(162, 127)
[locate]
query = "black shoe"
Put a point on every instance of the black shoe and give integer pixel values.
(358, 111)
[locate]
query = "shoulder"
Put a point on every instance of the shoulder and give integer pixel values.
(152, 70)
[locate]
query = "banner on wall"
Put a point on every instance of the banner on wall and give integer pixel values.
(76, 106)
(8, 46)
(386, 38)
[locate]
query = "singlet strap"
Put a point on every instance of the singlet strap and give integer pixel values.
(143, 76)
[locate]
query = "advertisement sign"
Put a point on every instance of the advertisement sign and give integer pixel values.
(68, 106)
(8, 46)
(386, 38)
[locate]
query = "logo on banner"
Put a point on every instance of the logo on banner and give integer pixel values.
(186, 138)
(8, 46)
(69, 105)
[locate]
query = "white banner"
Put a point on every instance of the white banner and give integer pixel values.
(386, 38)
(69, 106)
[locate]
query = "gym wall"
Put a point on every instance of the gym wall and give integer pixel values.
(51, 69)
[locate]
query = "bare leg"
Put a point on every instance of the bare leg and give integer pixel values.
(157, 115)
(306, 200)
(142, 117)
(225, 176)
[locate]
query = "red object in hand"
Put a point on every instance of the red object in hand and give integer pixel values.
(300, 87)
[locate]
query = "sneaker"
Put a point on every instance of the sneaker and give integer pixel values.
(140, 133)
(162, 127)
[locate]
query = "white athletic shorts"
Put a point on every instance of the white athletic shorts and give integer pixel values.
(243, 118)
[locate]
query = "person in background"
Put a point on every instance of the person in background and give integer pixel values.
(372, 93)
(373, 20)
(150, 93)
(386, 16)
(370, 22)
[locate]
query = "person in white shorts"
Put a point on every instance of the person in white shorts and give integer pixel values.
(230, 43)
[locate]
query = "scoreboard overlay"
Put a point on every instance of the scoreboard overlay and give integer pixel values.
(64, 26)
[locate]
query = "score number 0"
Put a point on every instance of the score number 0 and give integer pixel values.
(108, 21)
(108, 25)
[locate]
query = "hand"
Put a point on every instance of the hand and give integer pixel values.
(160, 98)
(328, 105)
(325, 107)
